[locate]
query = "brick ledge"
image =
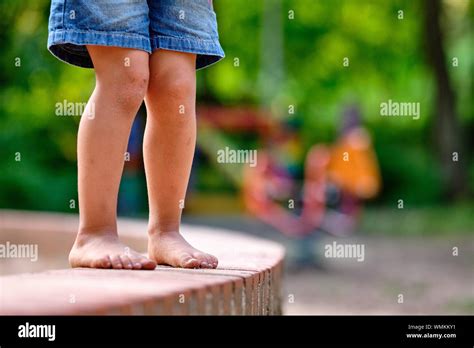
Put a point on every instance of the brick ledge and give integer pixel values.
(247, 281)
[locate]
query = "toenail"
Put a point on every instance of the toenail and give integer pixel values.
(204, 264)
(137, 264)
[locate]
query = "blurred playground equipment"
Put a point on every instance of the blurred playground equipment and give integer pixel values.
(325, 195)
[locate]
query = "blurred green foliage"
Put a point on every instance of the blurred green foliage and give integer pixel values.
(417, 221)
(387, 61)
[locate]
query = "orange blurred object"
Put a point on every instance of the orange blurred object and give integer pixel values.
(353, 165)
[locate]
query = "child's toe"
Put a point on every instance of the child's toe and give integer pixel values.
(214, 261)
(116, 262)
(103, 262)
(147, 264)
(136, 263)
(203, 262)
(190, 262)
(209, 261)
(126, 262)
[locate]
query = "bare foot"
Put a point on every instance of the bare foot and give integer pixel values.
(170, 248)
(104, 250)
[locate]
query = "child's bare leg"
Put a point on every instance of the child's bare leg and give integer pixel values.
(169, 142)
(102, 141)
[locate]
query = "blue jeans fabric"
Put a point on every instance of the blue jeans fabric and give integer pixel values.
(177, 25)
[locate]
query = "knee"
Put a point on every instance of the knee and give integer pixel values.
(128, 85)
(175, 89)
(133, 86)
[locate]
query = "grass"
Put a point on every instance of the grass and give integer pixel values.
(429, 221)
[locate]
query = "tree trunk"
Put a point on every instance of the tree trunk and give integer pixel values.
(448, 137)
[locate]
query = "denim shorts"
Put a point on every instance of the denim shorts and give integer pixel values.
(177, 25)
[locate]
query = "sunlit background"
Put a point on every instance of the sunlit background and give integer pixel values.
(299, 76)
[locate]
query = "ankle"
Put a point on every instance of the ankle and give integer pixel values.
(88, 230)
(154, 230)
